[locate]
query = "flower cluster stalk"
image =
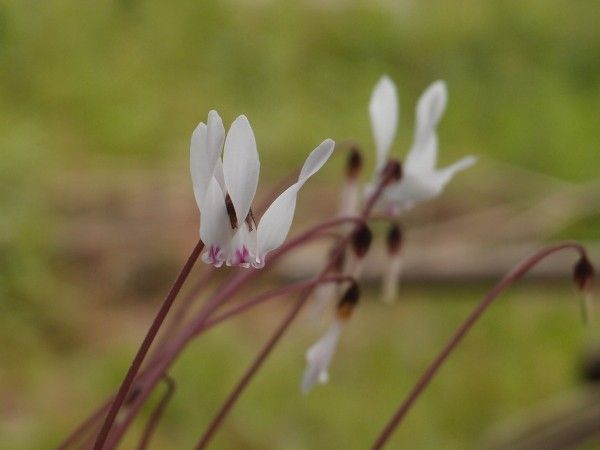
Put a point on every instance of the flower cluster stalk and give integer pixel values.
(513, 276)
(146, 343)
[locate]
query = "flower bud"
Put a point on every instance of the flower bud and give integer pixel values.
(583, 273)
(348, 301)
(394, 239)
(354, 163)
(394, 169)
(361, 241)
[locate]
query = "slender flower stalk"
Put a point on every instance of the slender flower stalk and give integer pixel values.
(146, 343)
(394, 264)
(196, 326)
(509, 279)
(390, 173)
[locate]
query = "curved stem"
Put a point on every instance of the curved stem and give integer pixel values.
(173, 348)
(514, 275)
(269, 295)
(156, 414)
(143, 350)
(289, 318)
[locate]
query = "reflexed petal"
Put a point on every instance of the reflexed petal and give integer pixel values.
(241, 166)
(422, 156)
(215, 134)
(276, 222)
(318, 357)
(443, 176)
(383, 111)
(430, 108)
(277, 219)
(215, 230)
(205, 149)
(316, 159)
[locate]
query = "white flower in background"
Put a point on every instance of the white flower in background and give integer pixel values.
(421, 180)
(318, 357)
(224, 190)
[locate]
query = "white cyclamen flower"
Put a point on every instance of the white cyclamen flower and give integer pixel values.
(224, 190)
(421, 180)
(318, 357)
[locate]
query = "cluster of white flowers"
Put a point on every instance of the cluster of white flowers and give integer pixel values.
(421, 180)
(225, 170)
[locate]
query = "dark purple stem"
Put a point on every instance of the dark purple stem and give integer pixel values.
(514, 275)
(173, 348)
(143, 350)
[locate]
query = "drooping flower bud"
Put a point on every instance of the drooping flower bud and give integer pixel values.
(583, 276)
(361, 241)
(350, 195)
(354, 163)
(393, 168)
(583, 273)
(394, 239)
(394, 263)
(348, 301)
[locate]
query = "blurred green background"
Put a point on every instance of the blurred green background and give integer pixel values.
(97, 103)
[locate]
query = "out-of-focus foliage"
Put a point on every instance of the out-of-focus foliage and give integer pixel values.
(90, 89)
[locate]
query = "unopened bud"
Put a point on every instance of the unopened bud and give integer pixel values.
(583, 273)
(361, 241)
(348, 301)
(393, 168)
(394, 238)
(354, 163)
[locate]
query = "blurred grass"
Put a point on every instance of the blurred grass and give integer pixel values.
(88, 87)
(526, 350)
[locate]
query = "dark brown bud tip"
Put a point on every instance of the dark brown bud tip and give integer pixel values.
(354, 163)
(348, 301)
(394, 169)
(394, 238)
(361, 241)
(583, 273)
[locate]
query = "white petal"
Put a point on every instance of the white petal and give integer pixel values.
(422, 157)
(241, 166)
(242, 251)
(443, 176)
(383, 111)
(275, 223)
(318, 357)
(215, 229)
(205, 149)
(316, 159)
(431, 106)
